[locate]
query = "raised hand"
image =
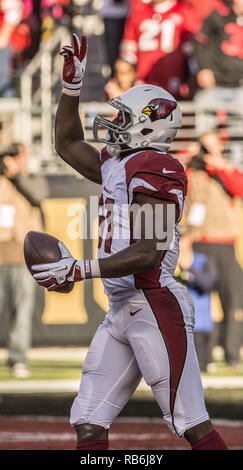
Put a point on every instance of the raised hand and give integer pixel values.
(75, 59)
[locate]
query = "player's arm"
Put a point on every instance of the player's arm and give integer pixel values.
(146, 252)
(142, 255)
(69, 134)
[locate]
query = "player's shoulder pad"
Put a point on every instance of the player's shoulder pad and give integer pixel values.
(157, 163)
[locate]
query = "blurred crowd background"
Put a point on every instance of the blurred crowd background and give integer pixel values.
(195, 51)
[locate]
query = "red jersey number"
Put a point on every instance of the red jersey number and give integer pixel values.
(234, 45)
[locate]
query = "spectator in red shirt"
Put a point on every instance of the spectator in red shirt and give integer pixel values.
(10, 17)
(157, 38)
(25, 38)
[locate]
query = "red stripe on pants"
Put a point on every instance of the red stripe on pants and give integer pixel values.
(171, 324)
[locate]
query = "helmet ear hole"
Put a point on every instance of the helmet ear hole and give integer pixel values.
(146, 131)
(171, 117)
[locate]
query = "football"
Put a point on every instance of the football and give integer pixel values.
(43, 248)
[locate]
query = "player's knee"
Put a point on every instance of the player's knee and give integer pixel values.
(90, 432)
(197, 432)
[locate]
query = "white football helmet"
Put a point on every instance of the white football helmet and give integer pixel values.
(149, 117)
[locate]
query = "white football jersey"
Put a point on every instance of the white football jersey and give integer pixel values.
(150, 172)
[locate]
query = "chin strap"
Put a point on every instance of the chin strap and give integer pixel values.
(113, 150)
(116, 151)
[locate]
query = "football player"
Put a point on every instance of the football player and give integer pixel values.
(148, 330)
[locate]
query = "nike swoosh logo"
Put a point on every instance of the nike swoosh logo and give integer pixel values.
(136, 311)
(167, 171)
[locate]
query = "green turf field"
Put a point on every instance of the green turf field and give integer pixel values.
(51, 369)
(61, 369)
(223, 401)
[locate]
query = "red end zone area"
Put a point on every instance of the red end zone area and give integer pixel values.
(50, 433)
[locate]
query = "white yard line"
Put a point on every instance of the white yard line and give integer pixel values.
(52, 353)
(79, 352)
(47, 436)
(8, 436)
(122, 419)
(39, 386)
(62, 386)
(27, 436)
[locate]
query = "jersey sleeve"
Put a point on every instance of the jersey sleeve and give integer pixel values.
(158, 175)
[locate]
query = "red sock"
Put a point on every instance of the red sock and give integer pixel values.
(212, 441)
(93, 445)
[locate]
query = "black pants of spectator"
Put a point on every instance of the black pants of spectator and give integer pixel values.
(202, 342)
(114, 28)
(230, 289)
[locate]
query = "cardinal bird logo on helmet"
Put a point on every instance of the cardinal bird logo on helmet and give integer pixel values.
(159, 108)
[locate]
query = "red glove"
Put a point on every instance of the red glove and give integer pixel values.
(75, 59)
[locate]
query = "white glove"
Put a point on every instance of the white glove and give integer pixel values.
(58, 274)
(75, 59)
(66, 270)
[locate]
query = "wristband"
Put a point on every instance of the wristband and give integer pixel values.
(70, 92)
(89, 268)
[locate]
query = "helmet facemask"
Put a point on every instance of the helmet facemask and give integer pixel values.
(117, 137)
